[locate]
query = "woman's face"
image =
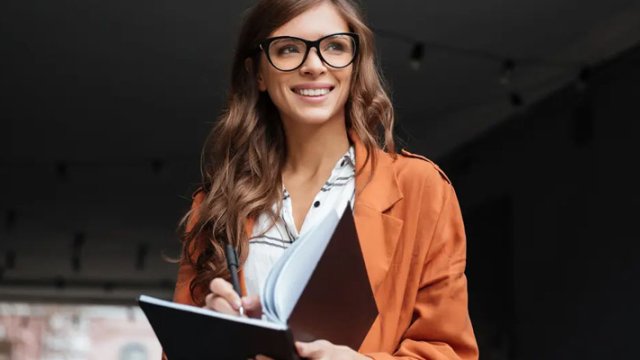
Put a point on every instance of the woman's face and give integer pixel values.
(313, 105)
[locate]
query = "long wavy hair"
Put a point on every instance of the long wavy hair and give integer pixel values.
(244, 154)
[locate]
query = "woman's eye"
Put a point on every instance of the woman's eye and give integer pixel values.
(334, 47)
(290, 49)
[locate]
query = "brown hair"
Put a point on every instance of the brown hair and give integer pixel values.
(244, 154)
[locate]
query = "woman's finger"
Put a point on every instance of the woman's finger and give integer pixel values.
(314, 349)
(262, 357)
(217, 303)
(252, 306)
(222, 288)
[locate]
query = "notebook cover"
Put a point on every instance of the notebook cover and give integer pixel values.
(337, 304)
(186, 335)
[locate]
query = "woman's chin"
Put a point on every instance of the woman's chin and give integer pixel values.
(313, 117)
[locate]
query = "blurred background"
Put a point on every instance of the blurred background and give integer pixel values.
(531, 107)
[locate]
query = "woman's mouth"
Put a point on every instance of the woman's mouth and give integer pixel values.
(309, 91)
(312, 92)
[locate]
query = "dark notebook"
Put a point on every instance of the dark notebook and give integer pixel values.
(318, 289)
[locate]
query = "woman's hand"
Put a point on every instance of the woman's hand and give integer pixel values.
(322, 349)
(223, 298)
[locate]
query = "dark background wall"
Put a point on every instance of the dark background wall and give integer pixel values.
(550, 199)
(529, 105)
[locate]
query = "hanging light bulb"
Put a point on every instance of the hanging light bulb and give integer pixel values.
(62, 170)
(417, 53)
(508, 67)
(515, 99)
(157, 165)
(583, 78)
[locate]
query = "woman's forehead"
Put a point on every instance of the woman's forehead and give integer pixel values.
(318, 21)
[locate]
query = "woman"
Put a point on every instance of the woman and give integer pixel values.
(307, 128)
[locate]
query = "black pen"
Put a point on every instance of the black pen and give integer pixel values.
(232, 264)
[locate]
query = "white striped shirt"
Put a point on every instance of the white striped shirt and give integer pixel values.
(265, 250)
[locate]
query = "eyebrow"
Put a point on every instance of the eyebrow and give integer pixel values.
(312, 38)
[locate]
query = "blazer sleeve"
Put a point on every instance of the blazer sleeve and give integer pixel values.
(441, 328)
(186, 272)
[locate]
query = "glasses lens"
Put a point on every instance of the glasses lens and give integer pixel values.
(286, 53)
(338, 50)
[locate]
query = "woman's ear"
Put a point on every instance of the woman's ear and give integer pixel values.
(248, 65)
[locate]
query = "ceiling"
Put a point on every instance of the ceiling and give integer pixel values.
(105, 104)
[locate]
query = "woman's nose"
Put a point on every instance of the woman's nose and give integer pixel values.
(313, 64)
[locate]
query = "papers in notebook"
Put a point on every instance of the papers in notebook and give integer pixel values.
(291, 273)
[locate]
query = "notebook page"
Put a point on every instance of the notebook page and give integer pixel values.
(300, 264)
(267, 291)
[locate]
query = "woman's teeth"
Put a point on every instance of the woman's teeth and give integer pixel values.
(312, 92)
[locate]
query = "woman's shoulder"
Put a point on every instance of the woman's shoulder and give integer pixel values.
(418, 168)
(198, 195)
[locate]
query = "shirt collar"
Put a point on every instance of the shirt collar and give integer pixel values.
(348, 158)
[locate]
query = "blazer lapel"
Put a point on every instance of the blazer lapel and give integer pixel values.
(376, 192)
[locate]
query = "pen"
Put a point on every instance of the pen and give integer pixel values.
(232, 264)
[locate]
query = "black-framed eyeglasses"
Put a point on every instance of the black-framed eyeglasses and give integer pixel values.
(287, 53)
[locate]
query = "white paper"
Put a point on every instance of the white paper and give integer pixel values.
(291, 273)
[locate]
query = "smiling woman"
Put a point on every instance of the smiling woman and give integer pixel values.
(308, 130)
(311, 90)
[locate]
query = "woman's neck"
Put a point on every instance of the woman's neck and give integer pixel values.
(313, 150)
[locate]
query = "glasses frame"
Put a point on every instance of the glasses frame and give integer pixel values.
(264, 46)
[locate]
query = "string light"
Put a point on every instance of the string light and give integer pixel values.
(469, 52)
(418, 48)
(508, 64)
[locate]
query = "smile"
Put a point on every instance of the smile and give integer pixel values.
(312, 92)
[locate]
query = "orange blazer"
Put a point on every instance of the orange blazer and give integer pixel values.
(413, 242)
